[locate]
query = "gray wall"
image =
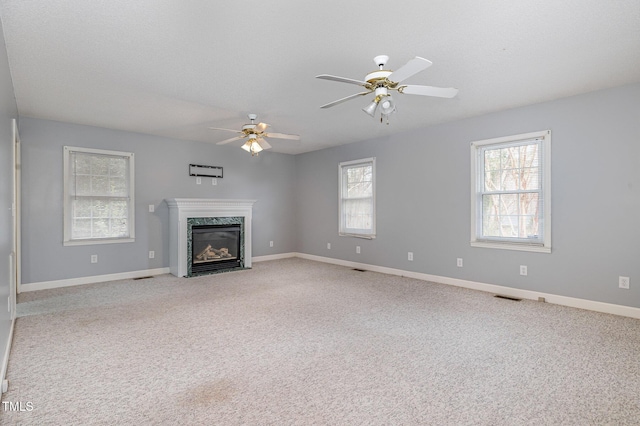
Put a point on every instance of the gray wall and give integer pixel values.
(423, 199)
(8, 111)
(161, 171)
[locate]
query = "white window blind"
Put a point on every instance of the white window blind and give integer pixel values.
(357, 198)
(98, 196)
(511, 192)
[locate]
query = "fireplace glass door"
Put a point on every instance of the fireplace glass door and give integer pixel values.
(215, 247)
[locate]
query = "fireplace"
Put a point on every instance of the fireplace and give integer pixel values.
(214, 244)
(215, 247)
(196, 223)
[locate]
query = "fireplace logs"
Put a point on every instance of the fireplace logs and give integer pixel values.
(209, 253)
(214, 247)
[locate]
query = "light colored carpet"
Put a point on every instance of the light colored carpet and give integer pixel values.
(297, 342)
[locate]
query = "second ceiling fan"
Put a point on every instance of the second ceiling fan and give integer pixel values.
(381, 82)
(255, 134)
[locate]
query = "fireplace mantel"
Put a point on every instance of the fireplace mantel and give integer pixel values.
(181, 209)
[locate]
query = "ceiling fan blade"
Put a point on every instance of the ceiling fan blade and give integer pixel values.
(283, 136)
(339, 101)
(263, 143)
(261, 127)
(342, 79)
(412, 67)
(441, 92)
(229, 140)
(226, 130)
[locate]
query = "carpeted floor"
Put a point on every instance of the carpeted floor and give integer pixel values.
(295, 342)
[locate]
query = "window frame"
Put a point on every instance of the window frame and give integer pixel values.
(366, 233)
(67, 207)
(477, 183)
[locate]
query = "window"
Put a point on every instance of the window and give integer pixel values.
(510, 192)
(98, 196)
(357, 198)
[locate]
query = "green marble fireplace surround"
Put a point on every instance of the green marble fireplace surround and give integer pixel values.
(208, 221)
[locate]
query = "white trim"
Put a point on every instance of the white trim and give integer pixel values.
(98, 151)
(13, 288)
(72, 282)
(545, 136)
(273, 257)
(89, 242)
(363, 236)
(506, 246)
(15, 267)
(591, 305)
(513, 138)
(67, 239)
(608, 308)
(46, 285)
(361, 161)
(5, 360)
(350, 232)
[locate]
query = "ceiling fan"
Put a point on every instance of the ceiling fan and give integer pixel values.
(381, 81)
(255, 134)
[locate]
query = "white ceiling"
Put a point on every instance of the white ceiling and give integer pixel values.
(174, 68)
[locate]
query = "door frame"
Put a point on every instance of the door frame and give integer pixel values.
(15, 209)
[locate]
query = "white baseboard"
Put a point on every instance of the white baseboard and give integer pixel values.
(273, 257)
(609, 308)
(573, 302)
(5, 360)
(46, 285)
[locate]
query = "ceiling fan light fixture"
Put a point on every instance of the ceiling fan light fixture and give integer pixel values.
(371, 108)
(387, 105)
(252, 145)
(255, 148)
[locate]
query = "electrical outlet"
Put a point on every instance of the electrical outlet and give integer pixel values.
(623, 282)
(328, 246)
(152, 254)
(152, 208)
(410, 256)
(459, 262)
(270, 243)
(94, 258)
(358, 249)
(523, 269)
(198, 180)
(214, 181)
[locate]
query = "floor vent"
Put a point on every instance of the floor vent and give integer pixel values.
(500, 296)
(359, 270)
(142, 278)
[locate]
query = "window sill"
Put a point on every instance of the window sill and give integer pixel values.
(363, 236)
(512, 246)
(101, 241)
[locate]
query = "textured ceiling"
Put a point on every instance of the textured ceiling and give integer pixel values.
(174, 68)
